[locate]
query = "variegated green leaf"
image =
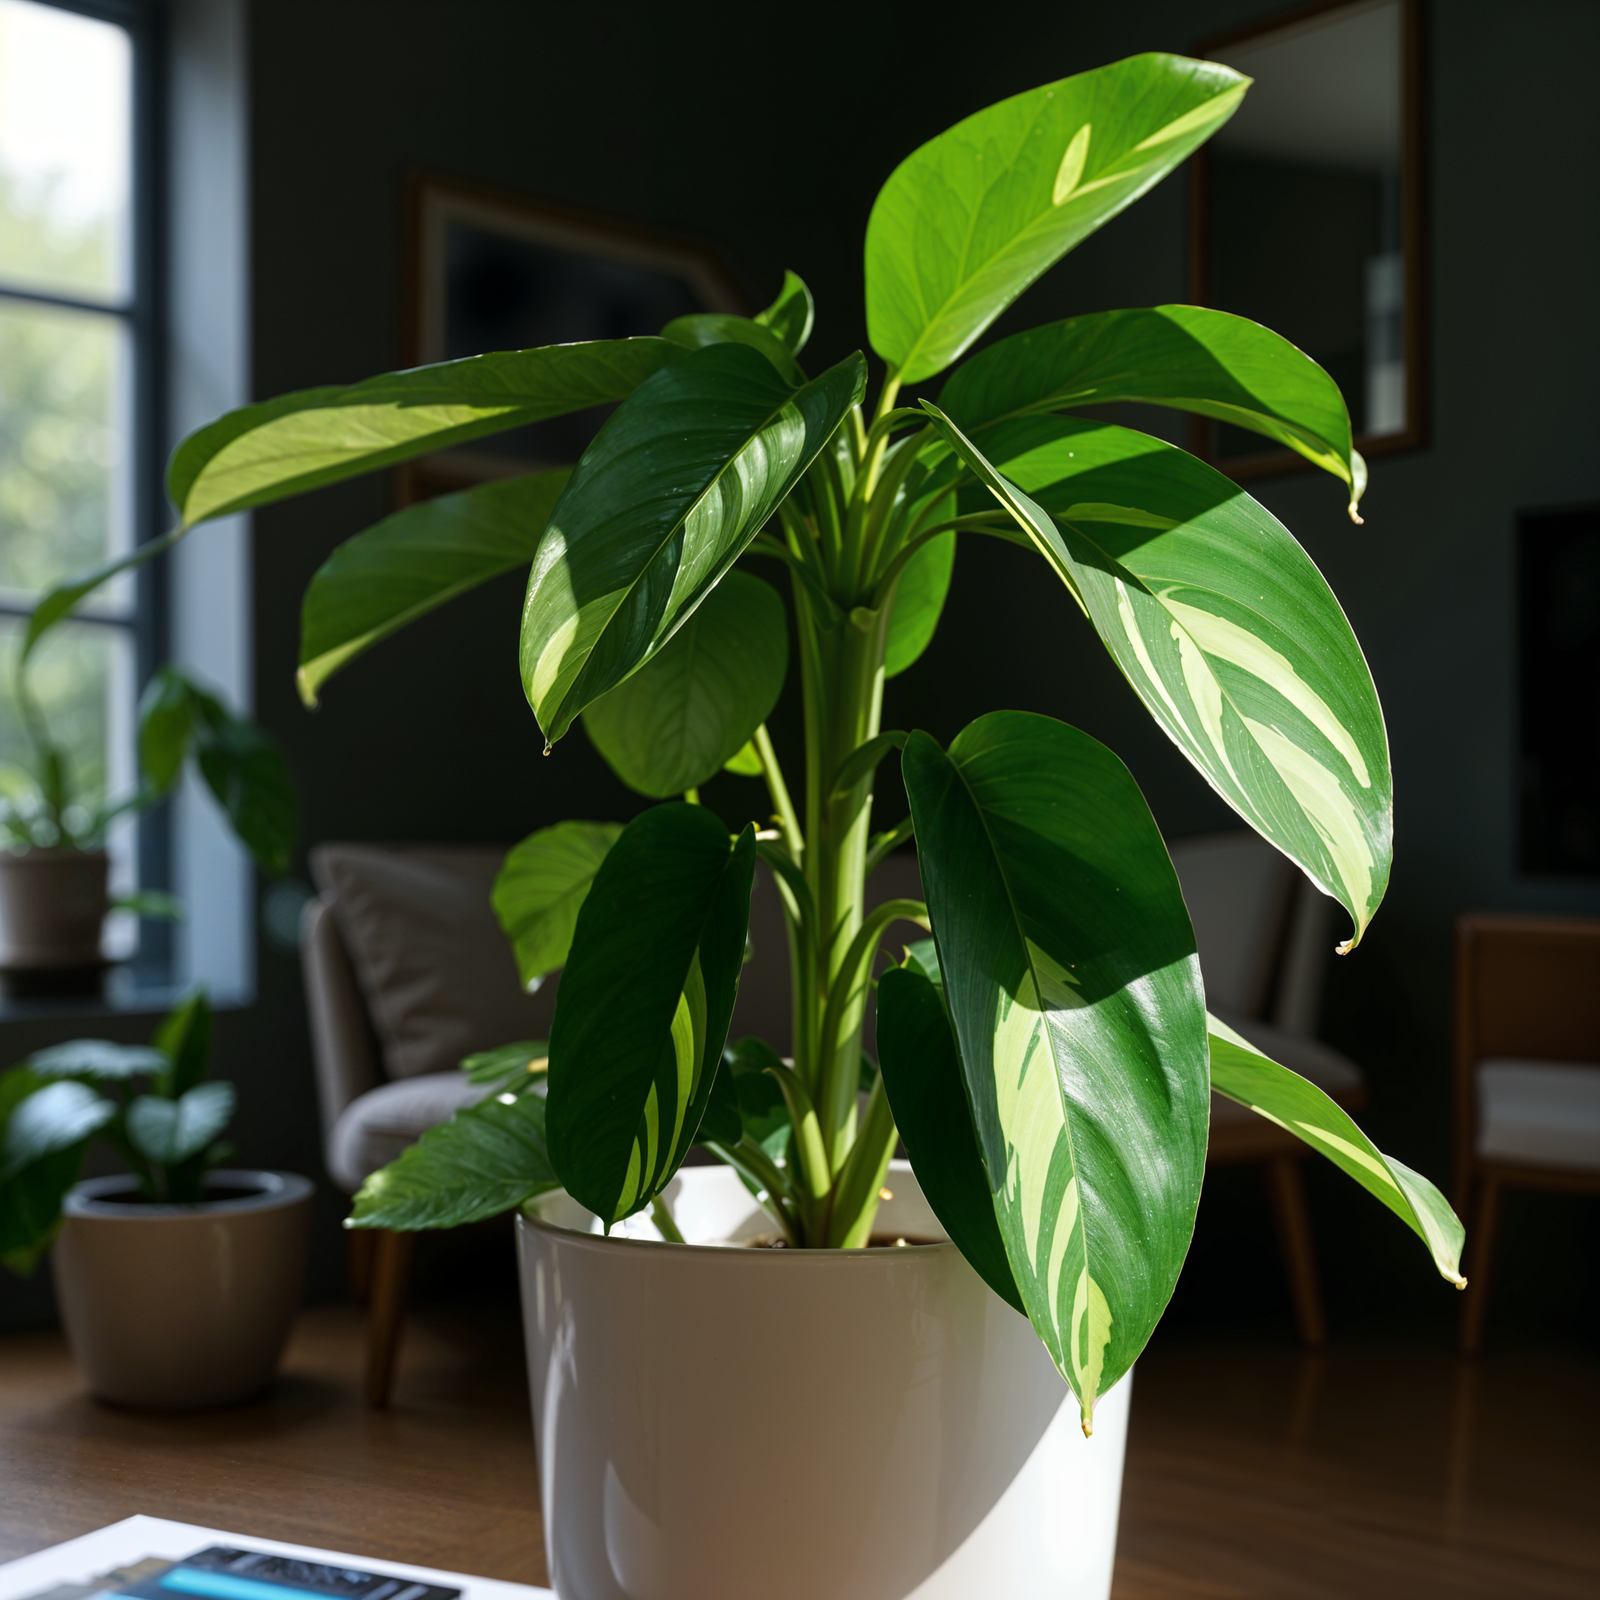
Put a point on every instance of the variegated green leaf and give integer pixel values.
(644, 1007)
(1243, 1073)
(1073, 986)
(1223, 626)
(409, 564)
(1189, 357)
(969, 220)
(678, 482)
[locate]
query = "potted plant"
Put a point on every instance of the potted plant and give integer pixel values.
(1046, 1056)
(54, 870)
(177, 1281)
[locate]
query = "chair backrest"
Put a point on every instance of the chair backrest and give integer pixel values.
(1262, 929)
(1525, 987)
(407, 969)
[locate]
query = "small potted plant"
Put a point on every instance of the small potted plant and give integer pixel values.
(54, 894)
(830, 1419)
(177, 1281)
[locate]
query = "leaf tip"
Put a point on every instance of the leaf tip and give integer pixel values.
(306, 687)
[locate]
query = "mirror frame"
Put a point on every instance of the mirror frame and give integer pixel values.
(1413, 241)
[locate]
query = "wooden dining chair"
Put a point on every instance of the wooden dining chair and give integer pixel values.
(1527, 1075)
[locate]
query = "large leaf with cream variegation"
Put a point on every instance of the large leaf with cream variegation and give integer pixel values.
(967, 221)
(1191, 358)
(676, 484)
(1243, 1073)
(646, 997)
(1224, 627)
(1074, 990)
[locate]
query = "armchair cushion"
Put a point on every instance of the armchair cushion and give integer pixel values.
(1539, 1113)
(434, 968)
(373, 1129)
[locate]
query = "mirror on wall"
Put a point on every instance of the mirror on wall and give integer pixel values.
(1307, 212)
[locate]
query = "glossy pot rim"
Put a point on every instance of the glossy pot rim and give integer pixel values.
(732, 1251)
(274, 1191)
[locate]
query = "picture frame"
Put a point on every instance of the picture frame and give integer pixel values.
(1407, 279)
(492, 269)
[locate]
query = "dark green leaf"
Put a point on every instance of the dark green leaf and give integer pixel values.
(245, 770)
(1223, 626)
(166, 724)
(922, 1073)
(1244, 1074)
(719, 327)
(30, 1207)
(486, 1159)
(919, 596)
(97, 1059)
(1194, 359)
(539, 890)
(409, 564)
(300, 441)
(518, 1068)
(171, 1131)
(790, 316)
(969, 220)
(677, 483)
(863, 761)
(153, 905)
(41, 1119)
(695, 704)
(1072, 982)
(644, 1007)
(184, 1037)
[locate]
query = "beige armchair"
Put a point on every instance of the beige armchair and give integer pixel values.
(406, 973)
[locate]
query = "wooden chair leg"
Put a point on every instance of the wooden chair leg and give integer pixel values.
(360, 1245)
(1286, 1194)
(1475, 1300)
(391, 1274)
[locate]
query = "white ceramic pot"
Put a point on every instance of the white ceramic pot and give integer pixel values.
(178, 1308)
(52, 906)
(721, 1423)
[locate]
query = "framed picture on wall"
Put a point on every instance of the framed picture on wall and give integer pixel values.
(1307, 213)
(491, 270)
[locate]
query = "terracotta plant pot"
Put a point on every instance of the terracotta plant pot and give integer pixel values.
(180, 1308)
(53, 905)
(717, 1423)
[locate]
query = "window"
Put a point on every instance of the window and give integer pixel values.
(77, 445)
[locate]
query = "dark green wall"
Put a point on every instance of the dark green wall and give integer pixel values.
(768, 131)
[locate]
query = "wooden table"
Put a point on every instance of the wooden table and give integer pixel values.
(1381, 1468)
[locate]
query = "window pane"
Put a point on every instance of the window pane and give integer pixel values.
(63, 442)
(65, 151)
(80, 679)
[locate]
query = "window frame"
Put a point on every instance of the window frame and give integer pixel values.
(144, 315)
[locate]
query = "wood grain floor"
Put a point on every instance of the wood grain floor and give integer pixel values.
(1382, 1469)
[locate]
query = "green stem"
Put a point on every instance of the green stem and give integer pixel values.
(666, 1223)
(779, 791)
(836, 1100)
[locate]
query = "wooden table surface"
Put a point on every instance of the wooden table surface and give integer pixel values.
(1380, 1469)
